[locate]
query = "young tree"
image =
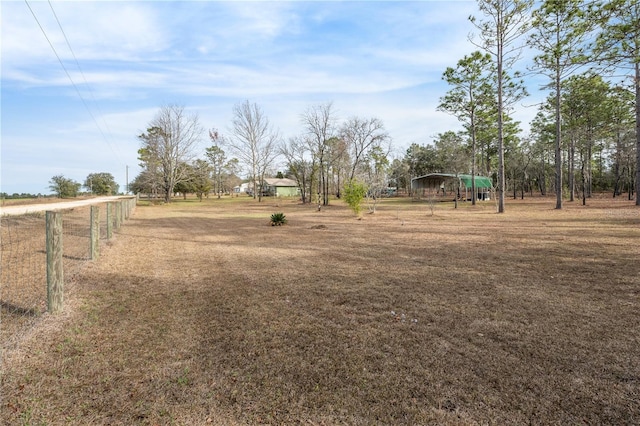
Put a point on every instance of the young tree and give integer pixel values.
(64, 187)
(471, 92)
(354, 193)
(376, 169)
(101, 184)
(560, 30)
(170, 140)
(254, 142)
(506, 21)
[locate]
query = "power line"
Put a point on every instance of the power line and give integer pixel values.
(80, 69)
(69, 75)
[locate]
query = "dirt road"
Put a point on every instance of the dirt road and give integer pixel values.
(32, 208)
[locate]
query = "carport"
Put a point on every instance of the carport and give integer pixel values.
(437, 183)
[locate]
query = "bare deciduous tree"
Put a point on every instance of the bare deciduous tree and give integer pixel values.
(170, 140)
(361, 135)
(320, 124)
(254, 141)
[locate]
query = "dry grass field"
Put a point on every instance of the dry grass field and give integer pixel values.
(202, 313)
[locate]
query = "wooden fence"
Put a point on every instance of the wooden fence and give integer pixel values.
(41, 252)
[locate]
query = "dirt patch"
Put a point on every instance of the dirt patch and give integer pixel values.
(319, 227)
(203, 313)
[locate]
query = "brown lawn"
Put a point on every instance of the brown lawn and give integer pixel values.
(202, 313)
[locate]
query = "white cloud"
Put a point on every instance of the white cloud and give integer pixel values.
(372, 59)
(129, 31)
(263, 21)
(95, 31)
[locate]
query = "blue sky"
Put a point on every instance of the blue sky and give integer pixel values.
(371, 59)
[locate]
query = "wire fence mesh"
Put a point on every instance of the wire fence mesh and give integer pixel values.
(23, 259)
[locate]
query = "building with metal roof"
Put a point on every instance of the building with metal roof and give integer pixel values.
(439, 183)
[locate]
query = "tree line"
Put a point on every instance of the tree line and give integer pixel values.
(584, 138)
(96, 184)
(586, 135)
(322, 159)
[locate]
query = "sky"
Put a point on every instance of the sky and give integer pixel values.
(77, 108)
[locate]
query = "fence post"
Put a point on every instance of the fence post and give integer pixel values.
(118, 214)
(95, 233)
(55, 273)
(109, 221)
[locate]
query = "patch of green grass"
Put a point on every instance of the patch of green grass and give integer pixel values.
(183, 378)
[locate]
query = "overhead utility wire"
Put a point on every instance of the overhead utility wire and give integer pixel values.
(85, 79)
(71, 79)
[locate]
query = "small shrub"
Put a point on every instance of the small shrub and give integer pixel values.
(278, 219)
(354, 193)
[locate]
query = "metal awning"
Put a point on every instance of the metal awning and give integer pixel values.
(480, 181)
(435, 180)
